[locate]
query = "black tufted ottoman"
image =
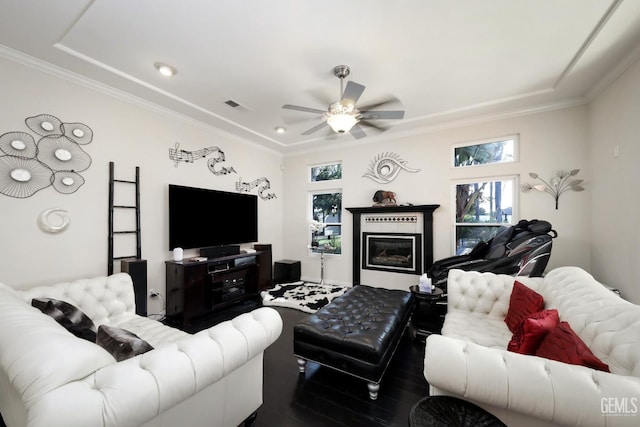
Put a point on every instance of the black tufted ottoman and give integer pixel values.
(357, 333)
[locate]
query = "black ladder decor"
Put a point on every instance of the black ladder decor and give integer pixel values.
(112, 210)
(134, 265)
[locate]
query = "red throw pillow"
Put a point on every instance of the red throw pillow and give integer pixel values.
(523, 303)
(562, 344)
(532, 331)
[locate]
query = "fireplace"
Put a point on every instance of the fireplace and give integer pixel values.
(396, 252)
(414, 221)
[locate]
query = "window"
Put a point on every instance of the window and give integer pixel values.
(326, 225)
(486, 152)
(326, 172)
(482, 207)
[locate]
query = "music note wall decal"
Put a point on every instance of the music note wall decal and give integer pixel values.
(178, 155)
(248, 186)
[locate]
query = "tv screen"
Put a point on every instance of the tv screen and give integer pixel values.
(200, 217)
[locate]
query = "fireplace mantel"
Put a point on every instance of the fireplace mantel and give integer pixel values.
(427, 232)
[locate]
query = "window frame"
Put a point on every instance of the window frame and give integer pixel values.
(314, 192)
(515, 178)
(319, 165)
(516, 150)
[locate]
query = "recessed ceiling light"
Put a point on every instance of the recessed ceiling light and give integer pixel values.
(165, 70)
(280, 129)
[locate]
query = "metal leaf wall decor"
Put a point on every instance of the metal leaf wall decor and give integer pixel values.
(54, 160)
(561, 182)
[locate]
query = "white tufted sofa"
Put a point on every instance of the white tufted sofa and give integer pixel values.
(48, 377)
(470, 361)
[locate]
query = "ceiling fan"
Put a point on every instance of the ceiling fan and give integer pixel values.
(343, 116)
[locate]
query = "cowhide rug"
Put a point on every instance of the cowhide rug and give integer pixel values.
(307, 297)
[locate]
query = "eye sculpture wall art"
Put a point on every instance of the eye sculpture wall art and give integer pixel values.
(385, 167)
(55, 159)
(178, 155)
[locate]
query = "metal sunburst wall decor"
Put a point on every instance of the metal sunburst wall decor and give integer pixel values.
(385, 167)
(55, 159)
(178, 155)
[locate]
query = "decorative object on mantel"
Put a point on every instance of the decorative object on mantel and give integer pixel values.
(248, 186)
(178, 155)
(384, 198)
(58, 226)
(54, 160)
(560, 183)
(385, 167)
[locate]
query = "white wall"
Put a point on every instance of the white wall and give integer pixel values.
(548, 141)
(130, 135)
(615, 128)
(595, 227)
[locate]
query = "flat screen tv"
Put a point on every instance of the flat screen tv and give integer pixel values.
(199, 217)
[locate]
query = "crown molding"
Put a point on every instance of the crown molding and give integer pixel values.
(64, 74)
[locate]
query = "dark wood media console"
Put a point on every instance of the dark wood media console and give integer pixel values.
(199, 288)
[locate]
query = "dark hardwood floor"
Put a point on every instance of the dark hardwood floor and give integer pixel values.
(323, 397)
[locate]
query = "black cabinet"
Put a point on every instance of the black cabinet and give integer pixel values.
(198, 288)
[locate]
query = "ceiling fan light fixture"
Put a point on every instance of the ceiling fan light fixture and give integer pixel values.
(342, 123)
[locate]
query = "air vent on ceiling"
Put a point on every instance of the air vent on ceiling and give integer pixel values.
(231, 103)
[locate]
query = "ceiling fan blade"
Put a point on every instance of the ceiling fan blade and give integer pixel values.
(380, 115)
(357, 132)
(305, 109)
(315, 128)
(353, 91)
(380, 103)
(371, 125)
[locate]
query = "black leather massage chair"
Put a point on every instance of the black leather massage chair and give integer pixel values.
(523, 249)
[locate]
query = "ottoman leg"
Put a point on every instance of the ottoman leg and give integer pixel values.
(373, 390)
(302, 365)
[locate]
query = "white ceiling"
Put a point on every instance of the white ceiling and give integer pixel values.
(445, 61)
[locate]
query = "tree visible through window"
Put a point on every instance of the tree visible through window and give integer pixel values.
(326, 172)
(482, 207)
(485, 153)
(326, 229)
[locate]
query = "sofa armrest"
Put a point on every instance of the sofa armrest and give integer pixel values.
(136, 390)
(546, 389)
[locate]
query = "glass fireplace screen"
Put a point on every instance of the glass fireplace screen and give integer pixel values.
(397, 252)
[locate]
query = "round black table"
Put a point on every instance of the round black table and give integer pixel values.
(446, 411)
(428, 315)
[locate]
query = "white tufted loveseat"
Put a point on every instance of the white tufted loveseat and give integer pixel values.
(470, 361)
(48, 377)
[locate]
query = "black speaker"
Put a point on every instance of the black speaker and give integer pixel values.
(220, 251)
(286, 270)
(265, 273)
(137, 269)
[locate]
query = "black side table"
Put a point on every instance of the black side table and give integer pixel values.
(428, 314)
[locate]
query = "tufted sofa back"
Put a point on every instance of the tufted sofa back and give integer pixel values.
(483, 293)
(103, 299)
(608, 324)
